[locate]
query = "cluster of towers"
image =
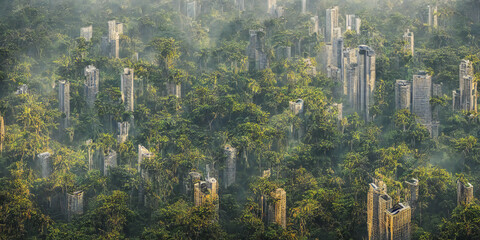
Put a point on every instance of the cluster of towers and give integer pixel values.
(415, 96)
(465, 98)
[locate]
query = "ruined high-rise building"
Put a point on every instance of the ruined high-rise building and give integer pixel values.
(45, 164)
(409, 40)
(174, 89)
(113, 39)
(432, 16)
(296, 107)
(350, 72)
(257, 58)
(398, 220)
(366, 81)
(468, 87)
(421, 94)
(92, 80)
(109, 161)
(123, 128)
(127, 88)
(314, 29)
(86, 32)
(230, 165)
(378, 202)
(193, 178)
(143, 153)
(412, 193)
(337, 47)
(206, 191)
(403, 94)
(64, 102)
(331, 23)
(353, 23)
(274, 211)
(271, 6)
(192, 9)
(304, 6)
(74, 204)
(464, 193)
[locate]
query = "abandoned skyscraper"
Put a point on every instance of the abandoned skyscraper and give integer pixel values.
(74, 204)
(123, 128)
(174, 89)
(403, 94)
(409, 41)
(274, 211)
(353, 23)
(92, 75)
(109, 161)
(86, 32)
(257, 58)
(412, 193)
(464, 192)
(113, 40)
(314, 29)
(331, 23)
(304, 6)
(398, 219)
(271, 6)
(206, 191)
(366, 81)
(230, 165)
(192, 9)
(127, 88)
(466, 97)
(378, 202)
(64, 102)
(432, 16)
(143, 153)
(45, 164)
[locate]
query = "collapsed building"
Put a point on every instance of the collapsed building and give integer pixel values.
(464, 192)
(230, 165)
(257, 58)
(92, 81)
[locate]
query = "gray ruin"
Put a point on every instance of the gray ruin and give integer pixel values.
(403, 94)
(296, 107)
(113, 39)
(412, 193)
(230, 165)
(23, 89)
(192, 9)
(174, 89)
(240, 5)
(353, 23)
(123, 128)
(45, 162)
(331, 23)
(143, 153)
(314, 29)
(127, 88)
(466, 97)
(89, 144)
(409, 40)
(350, 73)
(464, 193)
(86, 32)
(92, 79)
(271, 5)
(109, 161)
(64, 102)
(74, 204)
(257, 58)
(432, 17)
(2, 133)
(304, 6)
(366, 81)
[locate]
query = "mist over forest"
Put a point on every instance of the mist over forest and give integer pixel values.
(239, 119)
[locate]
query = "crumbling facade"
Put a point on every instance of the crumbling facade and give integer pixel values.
(143, 153)
(409, 40)
(113, 39)
(123, 128)
(74, 204)
(464, 193)
(398, 219)
(109, 161)
(127, 89)
(412, 193)
(174, 89)
(403, 94)
(296, 107)
(468, 87)
(350, 73)
(432, 17)
(92, 81)
(353, 23)
(366, 81)
(331, 23)
(45, 162)
(274, 210)
(206, 191)
(257, 58)
(314, 29)
(64, 102)
(86, 32)
(421, 94)
(378, 202)
(230, 165)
